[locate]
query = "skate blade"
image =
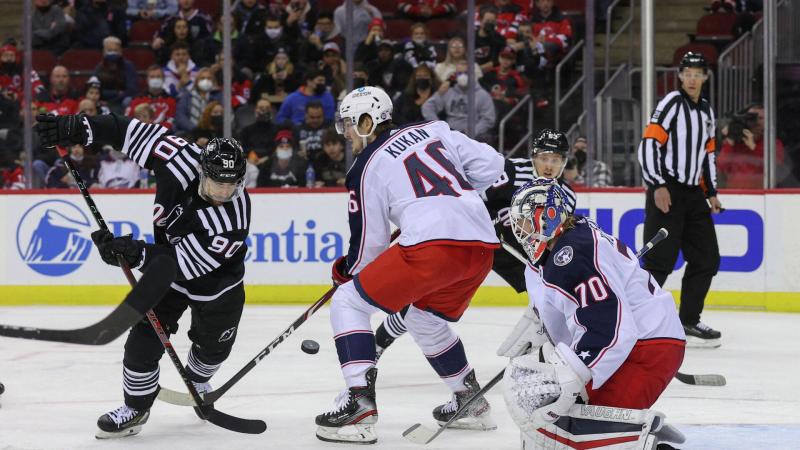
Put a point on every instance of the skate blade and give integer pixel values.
(351, 434)
(481, 423)
(696, 342)
(118, 434)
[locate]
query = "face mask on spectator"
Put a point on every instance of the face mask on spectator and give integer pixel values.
(263, 116)
(205, 85)
(112, 56)
(283, 153)
(488, 27)
(155, 83)
(274, 33)
(217, 122)
(462, 79)
(319, 89)
(423, 83)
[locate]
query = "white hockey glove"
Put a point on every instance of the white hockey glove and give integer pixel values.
(528, 330)
(538, 393)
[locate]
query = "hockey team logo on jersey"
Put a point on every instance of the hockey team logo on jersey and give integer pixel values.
(227, 334)
(53, 237)
(563, 256)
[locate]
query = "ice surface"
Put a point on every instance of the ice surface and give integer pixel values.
(56, 392)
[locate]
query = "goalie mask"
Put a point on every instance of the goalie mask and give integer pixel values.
(549, 154)
(537, 213)
(223, 170)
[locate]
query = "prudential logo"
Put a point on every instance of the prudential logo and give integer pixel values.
(53, 237)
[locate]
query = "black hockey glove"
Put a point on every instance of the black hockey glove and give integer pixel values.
(339, 272)
(60, 130)
(132, 251)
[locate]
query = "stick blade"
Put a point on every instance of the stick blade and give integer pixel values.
(419, 434)
(167, 395)
(702, 380)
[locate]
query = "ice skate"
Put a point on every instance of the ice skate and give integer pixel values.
(477, 417)
(701, 335)
(352, 419)
(121, 422)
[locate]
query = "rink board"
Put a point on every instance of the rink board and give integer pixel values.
(47, 256)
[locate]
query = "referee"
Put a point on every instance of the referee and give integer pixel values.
(679, 168)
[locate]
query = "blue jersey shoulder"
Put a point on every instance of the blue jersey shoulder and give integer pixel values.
(571, 261)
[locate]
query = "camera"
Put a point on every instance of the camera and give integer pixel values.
(740, 122)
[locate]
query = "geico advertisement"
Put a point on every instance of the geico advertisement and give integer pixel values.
(294, 237)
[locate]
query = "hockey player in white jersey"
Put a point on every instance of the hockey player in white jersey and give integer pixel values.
(615, 339)
(423, 178)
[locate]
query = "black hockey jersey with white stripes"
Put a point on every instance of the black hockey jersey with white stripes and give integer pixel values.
(497, 198)
(207, 241)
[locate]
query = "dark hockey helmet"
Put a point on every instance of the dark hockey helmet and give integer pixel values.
(693, 59)
(553, 142)
(223, 170)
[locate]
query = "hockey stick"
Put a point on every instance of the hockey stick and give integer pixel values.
(182, 399)
(145, 294)
(205, 412)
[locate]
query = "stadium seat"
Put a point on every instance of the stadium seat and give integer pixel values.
(571, 7)
(444, 28)
(211, 7)
(398, 29)
(81, 59)
(142, 31)
(78, 81)
(328, 5)
(141, 57)
(716, 27)
(43, 61)
(708, 50)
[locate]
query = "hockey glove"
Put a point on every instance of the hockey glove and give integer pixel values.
(339, 272)
(60, 130)
(528, 330)
(132, 251)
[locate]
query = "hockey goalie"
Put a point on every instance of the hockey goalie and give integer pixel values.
(606, 338)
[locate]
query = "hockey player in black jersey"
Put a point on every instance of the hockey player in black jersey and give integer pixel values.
(548, 157)
(201, 218)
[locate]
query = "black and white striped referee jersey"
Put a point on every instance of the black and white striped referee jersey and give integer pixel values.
(207, 241)
(679, 143)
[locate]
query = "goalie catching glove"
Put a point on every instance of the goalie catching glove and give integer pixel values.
(528, 330)
(538, 393)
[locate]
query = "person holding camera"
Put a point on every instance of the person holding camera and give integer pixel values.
(679, 168)
(741, 159)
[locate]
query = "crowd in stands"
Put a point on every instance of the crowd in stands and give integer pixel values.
(288, 75)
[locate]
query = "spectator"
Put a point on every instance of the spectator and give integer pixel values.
(255, 50)
(504, 84)
(324, 31)
(426, 9)
(259, 137)
(455, 53)
(60, 98)
(451, 101)
(363, 13)
(192, 103)
(300, 14)
(741, 159)
(745, 11)
(151, 9)
(97, 20)
(180, 72)
(286, 169)
(509, 16)
(531, 58)
(249, 16)
(143, 112)
(294, 107)
(11, 73)
(117, 171)
(199, 22)
(49, 27)
(86, 165)
(178, 33)
(210, 124)
(333, 68)
(387, 71)
(419, 50)
(240, 84)
(117, 75)
(93, 92)
(570, 172)
(368, 49)
(278, 80)
(12, 172)
(601, 175)
(205, 50)
(553, 29)
(87, 107)
(162, 105)
(488, 42)
(311, 131)
(331, 167)
(421, 86)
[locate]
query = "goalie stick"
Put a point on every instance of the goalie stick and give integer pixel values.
(205, 412)
(182, 399)
(145, 294)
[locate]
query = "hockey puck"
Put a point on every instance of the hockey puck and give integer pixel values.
(310, 347)
(2, 388)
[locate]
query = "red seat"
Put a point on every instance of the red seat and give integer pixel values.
(142, 31)
(398, 29)
(211, 7)
(43, 61)
(716, 27)
(444, 28)
(328, 5)
(571, 6)
(387, 7)
(81, 59)
(141, 57)
(708, 50)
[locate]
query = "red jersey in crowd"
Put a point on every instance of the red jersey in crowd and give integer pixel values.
(555, 28)
(437, 7)
(509, 17)
(744, 168)
(14, 83)
(507, 87)
(163, 106)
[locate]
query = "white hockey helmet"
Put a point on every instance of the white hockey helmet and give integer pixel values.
(369, 100)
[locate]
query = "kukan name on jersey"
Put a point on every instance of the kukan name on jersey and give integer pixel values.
(405, 140)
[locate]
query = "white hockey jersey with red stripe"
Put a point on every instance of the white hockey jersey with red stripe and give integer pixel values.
(424, 179)
(592, 295)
